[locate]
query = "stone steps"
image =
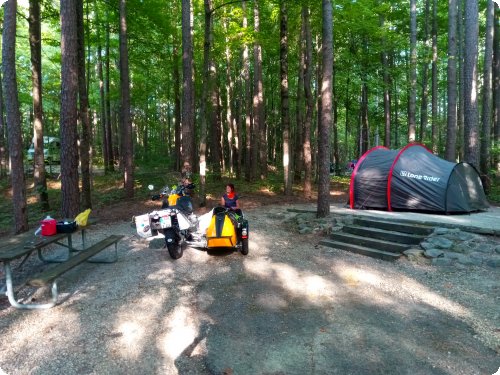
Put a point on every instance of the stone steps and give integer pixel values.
(379, 239)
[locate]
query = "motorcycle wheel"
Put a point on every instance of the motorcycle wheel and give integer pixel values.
(175, 250)
(244, 246)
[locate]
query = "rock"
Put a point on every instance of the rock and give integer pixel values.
(442, 262)
(463, 247)
(493, 262)
(483, 247)
(426, 245)
(337, 228)
(465, 236)
(468, 261)
(477, 255)
(452, 255)
(441, 231)
(305, 230)
(413, 254)
(441, 243)
(302, 226)
(434, 253)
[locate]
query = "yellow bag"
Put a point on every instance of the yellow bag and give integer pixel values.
(81, 218)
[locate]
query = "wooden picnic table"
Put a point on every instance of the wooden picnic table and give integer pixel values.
(24, 245)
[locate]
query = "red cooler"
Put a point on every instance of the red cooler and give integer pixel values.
(49, 226)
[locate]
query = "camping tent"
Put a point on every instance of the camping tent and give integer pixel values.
(415, 179)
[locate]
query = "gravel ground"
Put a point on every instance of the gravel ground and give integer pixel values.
(289, 307)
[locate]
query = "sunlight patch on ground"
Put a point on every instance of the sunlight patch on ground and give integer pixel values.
(182, 332)
(380, 287)
(135, 325)
(315, 289)
(267, 191)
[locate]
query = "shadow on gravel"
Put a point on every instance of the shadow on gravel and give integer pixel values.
(286, 308)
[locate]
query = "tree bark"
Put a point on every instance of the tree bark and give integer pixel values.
(300, 104)
(425, 70)
(13, 117)
(387, 92)
(487, 90)
(496, 87)
(188, 134)
(35, 38)
(259, 148)
(308, 72)
(126, 125)
(85, 140)
(461, 87)
(3, 148)
(68, 120)
(451, 129)
(413, 71)
(323, 209)
(435, 128)
(109, 126)
(248, 101)
(177, 107)
(102, 98)
(471, 136)
(204, 101)
(285, 115)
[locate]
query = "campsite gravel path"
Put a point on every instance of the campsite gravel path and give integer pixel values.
(289, 307)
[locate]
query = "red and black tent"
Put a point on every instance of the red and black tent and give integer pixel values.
(414, 179)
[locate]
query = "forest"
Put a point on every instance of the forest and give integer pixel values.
(218, 88)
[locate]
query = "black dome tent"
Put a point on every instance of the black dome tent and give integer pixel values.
(414, 179)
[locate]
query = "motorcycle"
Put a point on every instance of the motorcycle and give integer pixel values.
(219, 228)
(176, 222)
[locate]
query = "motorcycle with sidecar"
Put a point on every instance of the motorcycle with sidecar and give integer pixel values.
(176, 222)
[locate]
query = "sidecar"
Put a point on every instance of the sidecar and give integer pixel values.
(227, 229)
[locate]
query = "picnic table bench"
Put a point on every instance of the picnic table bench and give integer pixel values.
(25, 244)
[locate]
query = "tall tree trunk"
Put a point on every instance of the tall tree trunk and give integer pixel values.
(177, 107)
(364, 117)
(387, 93)
(13, 117)
(248, 102)
(204, 101)
(471, 136)
(435, 129)
(300, 104)
(496, 87)
(102, 98)
(68, 120)
(85, 140)
(126, 125)
(451, 134)
(215, 124)
(487, 90)
(308, 72)
(285, 115)
(323, 209)
(109, 127)
(188, 134)
(36, 78)
(232, 134)
(3, 149)
(259, 147)
(413, 71)
(461, 86)
(425, 69)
